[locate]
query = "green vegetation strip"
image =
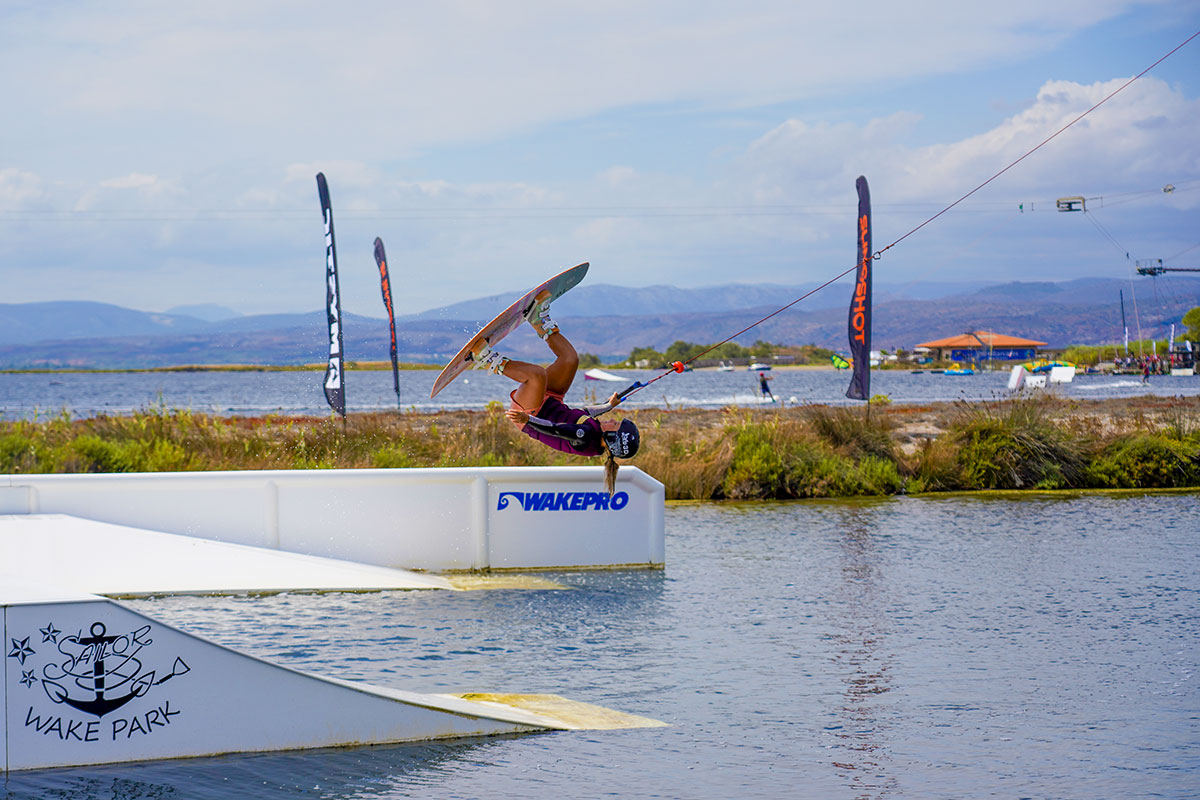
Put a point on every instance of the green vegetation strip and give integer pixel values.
(811, 451)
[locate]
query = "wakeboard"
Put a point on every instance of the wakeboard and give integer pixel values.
(506, 322)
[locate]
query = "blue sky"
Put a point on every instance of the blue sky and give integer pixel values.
(155, 154)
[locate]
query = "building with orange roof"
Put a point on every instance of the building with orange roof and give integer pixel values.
(979, 346)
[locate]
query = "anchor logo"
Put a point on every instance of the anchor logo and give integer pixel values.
(99, 672)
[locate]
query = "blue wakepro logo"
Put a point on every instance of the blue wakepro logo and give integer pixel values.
(564, 501)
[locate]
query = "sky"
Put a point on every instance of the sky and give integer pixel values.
(160, 154)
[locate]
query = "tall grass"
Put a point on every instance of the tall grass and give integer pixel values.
(1017, 445)
(812, 451)
(783, 458)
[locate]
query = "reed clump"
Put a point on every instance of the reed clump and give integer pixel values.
(685, 456)
(812, 451)
(787, 458)
(1018, 445)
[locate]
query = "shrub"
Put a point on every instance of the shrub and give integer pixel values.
(392, 457)
(17, 453)
(775, 460)
(1146, 460)
(756, 470)
(878, 476)
(815, 471)
(1017, 447)
(853, 432)
(936, 467)
(98, 455)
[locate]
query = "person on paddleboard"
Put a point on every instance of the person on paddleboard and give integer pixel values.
(538, 407)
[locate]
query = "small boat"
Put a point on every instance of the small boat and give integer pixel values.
(600, 375)
(757, 367)
(724, 367)
(963, 371)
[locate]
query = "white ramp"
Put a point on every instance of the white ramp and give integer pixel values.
(117, 560)
(88, 681)
(1062, 374)
(430, 519)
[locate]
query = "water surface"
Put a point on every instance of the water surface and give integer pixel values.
(948, 647)
(33, 395)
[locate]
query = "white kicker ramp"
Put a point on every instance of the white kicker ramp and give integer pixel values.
(431, 519)
(116, 560)
(89, 681)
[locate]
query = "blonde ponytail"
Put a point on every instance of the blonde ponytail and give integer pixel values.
(610, 474)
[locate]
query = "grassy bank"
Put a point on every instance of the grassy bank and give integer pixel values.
(812, 451)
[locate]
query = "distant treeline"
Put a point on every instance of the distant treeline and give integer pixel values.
(729, 351)
(808, 451)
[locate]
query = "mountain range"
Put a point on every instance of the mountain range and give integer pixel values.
(602, 319)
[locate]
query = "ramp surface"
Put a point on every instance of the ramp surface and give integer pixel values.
(89, 681)
(120, 561)
(567, 714)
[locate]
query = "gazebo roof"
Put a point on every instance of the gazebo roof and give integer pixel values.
(983, 339)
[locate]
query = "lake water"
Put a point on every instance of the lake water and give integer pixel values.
(26, 396)
(950, 647)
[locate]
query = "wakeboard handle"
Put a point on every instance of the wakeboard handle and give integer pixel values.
(632, 388)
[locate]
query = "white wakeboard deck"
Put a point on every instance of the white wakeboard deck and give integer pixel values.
(120, 561)
(596, 374)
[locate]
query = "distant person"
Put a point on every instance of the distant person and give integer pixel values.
(1145, 372)
(537, 404)
(763, 377)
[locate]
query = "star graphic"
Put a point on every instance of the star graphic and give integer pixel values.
(50, 633)
(27, 678)
(21, 650)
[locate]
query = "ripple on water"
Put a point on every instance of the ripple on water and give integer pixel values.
(904, 647)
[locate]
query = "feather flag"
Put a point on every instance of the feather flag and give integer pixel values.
(335, 387)
(385, 286)
(859, 323)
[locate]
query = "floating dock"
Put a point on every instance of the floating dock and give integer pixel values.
(89, 681)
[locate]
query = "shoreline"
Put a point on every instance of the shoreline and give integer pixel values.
(351, 366)
(406, 366)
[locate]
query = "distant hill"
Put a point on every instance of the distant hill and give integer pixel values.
(22, 323)
(96, 335)
(588, 299)
(209, 312)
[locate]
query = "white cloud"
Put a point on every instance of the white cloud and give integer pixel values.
(1141, 138)
(235, 107)
(443, 196)
(354, 174)
(618, 176)
(20, 189)
(379, 79)
(144, 185)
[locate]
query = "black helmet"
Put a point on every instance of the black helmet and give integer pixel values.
(623, 442)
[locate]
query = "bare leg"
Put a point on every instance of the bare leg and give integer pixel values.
(532, 391)
(561, 373)
(536, 381)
